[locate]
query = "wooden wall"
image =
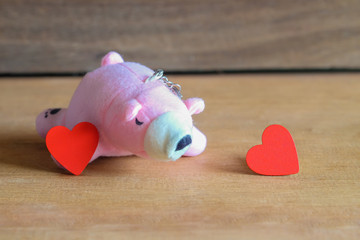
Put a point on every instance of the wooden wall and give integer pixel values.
(70, 36)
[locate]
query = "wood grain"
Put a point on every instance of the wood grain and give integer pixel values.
(45, 36)
(212, 196)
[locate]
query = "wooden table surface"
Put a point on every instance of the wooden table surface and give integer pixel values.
(212, 196)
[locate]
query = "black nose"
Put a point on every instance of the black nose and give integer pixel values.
(185, 141)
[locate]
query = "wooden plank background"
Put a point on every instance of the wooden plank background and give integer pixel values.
(71, 36)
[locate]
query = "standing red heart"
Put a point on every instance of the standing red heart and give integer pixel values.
(276, 156)
(73, 149)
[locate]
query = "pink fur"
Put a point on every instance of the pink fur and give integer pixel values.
(111, 58)
(129, 114)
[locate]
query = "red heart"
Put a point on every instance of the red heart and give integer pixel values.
(73, 149)
(276, 156)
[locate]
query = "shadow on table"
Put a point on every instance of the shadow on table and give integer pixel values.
(237, 164)
(26, 151)
(242, 167)
(30, 152)
(231, 163)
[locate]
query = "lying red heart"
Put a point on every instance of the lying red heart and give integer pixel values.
(73, 149)
(276, 156)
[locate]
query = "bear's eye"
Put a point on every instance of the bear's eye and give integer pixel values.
(138, 122)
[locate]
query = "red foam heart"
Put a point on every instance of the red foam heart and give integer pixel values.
(276, 156)
(73, 149)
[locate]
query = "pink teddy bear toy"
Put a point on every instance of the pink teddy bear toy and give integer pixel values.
(135, 110)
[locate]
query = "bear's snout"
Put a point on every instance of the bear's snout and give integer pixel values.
(168, 136)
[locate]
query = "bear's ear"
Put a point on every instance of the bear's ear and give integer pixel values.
(195, 105)
(111, 58)
(132, 108)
